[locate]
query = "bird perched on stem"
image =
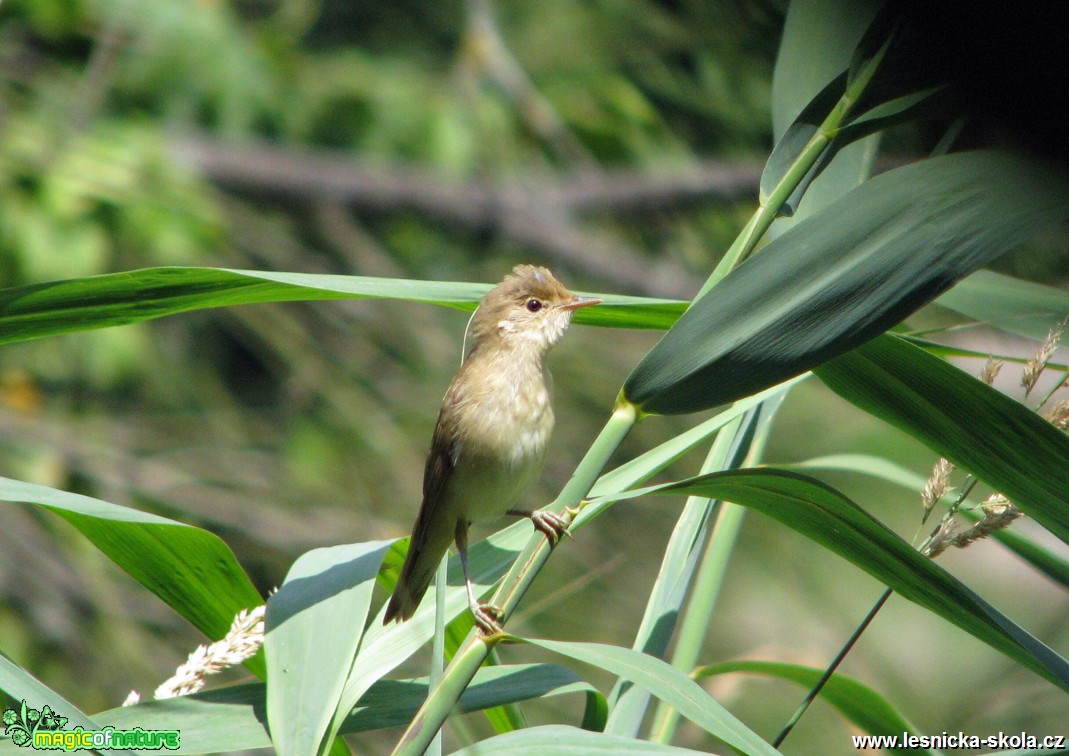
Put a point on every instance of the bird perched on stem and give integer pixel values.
(492, 432)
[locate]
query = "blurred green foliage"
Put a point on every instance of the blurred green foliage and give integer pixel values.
(285, 427)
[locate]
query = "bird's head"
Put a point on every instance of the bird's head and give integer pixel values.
(529, 310)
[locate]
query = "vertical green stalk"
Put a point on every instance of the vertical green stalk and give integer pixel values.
(695, 624)
(771, 205)
(714, 563)
(526, 567)
(628, 703)
(444, 696)
(698, 615)
(438, 644)
(729, 517)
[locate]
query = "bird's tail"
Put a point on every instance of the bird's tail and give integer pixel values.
(425, 553)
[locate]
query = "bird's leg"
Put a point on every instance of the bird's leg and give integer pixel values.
(487, 616)
(551, 524)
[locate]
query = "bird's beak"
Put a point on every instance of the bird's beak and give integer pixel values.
(578, 302)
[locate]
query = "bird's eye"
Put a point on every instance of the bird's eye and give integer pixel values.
(534, 305)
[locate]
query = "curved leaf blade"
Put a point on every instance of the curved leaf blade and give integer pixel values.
(857, 702)
(21, 685)
(974, 426)
(846, 274)
(1050, 564)
(667, 683)
(114, 299)
(824, 515)
(192, 570)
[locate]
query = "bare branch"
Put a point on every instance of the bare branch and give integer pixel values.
(540, 213)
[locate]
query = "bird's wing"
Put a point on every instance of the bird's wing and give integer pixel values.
(433, 529)
(445, 450)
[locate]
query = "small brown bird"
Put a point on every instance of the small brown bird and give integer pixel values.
(492, 433)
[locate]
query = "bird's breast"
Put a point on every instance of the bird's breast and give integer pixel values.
(514, 415)
(504, 420)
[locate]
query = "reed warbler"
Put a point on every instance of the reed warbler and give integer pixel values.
(492, 433)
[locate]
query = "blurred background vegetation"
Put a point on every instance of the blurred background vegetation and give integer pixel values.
(618, 142)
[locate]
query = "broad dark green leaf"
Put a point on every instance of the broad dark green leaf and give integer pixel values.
(846, 274)
(1000, 441)
(235, 718)
(824, 515)
(192, 570)
(860, 704)
(30, 312)
(1050, 564)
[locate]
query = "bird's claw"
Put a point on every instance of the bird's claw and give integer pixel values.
(553, 525)
(488, 619)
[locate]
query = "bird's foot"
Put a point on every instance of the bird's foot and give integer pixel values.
(553, 525)
(487, 618)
